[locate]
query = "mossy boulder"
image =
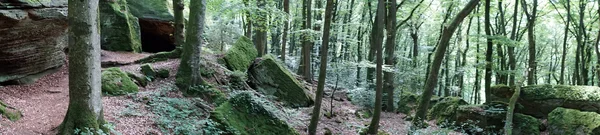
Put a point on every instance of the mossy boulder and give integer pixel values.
(247, 114)
(539, 100)
(271, 78)
(207, 93)
(9, 113)
(240, 56)
(120, 30)
(139, 79)
(116, 82)
(563, 121)
(445, 109)
(408, 101)
(526, 125)
(148, 71)
(152, 9)
(163, 73)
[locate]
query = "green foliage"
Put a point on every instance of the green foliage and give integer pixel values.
(148, 71)
(362, 97)
(207, 93)
(445, 109)
(240, 56)
(116, 82)
(178, 115)
(247, 114)
(238, 79)
(11, 114)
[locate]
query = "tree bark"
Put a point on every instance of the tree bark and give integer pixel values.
(437, 61)
(376, 41)
(306, 43)
(314, 121)
(178, 7)
(512, 62)
(260, 28)
(390, 59)
(531, 77)
(189, 74)
(286, 9)
(488, 52)
(85, 94)
(511, 107)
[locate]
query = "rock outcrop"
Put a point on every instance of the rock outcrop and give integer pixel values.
(119, 28)
(117, 82)
(32, 38)
(271, 79)
(246, 114)
(156, 24)
(563, 121)
(240, 56)
(539, 100)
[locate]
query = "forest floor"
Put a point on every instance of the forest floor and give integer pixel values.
(44, 104)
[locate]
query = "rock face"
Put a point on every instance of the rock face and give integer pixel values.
(246, 114)
(240, 56)
(564, 121)
(539, 100)
(272, 79)
(156, 24)
(445, 108)
(120, 29)
(32, 38)
(116, 82)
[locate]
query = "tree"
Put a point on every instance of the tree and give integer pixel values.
(178, 7)
(314, 121)
(189, 74)
(531, 16)
(85, 96)
(512, 62)
(488, 53)
(511, 107)
(260, 28)
(390, 59)
(376, 41)
(304, 68)
(444, 42)
(286, 9)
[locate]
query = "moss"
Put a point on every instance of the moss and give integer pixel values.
(445, 109)
(564, 121)
(580, 93)
(161, 56)
(526, 125)
(207, 93)
(120, 30)
(408, 101)
(148, 71)
(363, 131)
(163, 73)
(240, 56)
(246, 114)
(140, 80)
(116, 82)
(238, 79)
(151, 9)
(11, 114)
(272, 79)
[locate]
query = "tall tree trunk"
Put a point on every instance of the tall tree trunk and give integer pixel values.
(306, 43)
(390, 59)
(512, 62)
(178, 7)
(286, 9)
(488, 53)
(248, 31)
(477, 85)
(376, 41)
(85, 96)
(189, 74)
(508, 126)
(314, 121)
(437, 61)
(359, 49)
(260, 28)
(501, 73)
(463, 65)
(531, 77)
(598, 52)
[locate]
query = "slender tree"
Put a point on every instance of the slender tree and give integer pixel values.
(286, 9)
(488, 52)
(531, 16)
(376, 41)
(511, 106)
(189, 74)
(314, 121)
(178, 7)
(305, 64)
(85, 97)
(260, 28)
(512, 62)
(447, 33)
(390, 59)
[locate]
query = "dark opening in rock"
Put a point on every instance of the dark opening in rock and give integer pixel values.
(156, 36)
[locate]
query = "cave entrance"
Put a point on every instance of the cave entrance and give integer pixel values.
(156, 36)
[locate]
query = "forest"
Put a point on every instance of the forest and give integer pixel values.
(296, 67)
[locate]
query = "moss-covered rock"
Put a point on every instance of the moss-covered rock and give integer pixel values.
(240, 56)
(9, 113)
(152, 9)
(207, 93)
(120, 29)
(246, 114)
(525, 125)
(148, 71)
(163, 73)
(539, 100)
(272, 79)
(116, 82)
(140, 80)
(563, 121)
(445, 109)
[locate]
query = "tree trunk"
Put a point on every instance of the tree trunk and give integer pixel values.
(286, 9)
(437, 61)
(178, 7)
(512, 62)
(531, 77)
(85, 96)
(189, 74)
(314, 121)
(390, 59)
(488, 52)
(306, 43)
(260, 28)
(376, 41)
(359, 49)
(248, 31)
(511, 107)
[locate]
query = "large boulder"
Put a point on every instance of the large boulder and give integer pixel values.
(120, 29)
(32, 38)
(117, 82)
(271, 79)
(240, 56)
(539, 100)
(563, 121)
(247, 114)
(445, 109)
(156, 23)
